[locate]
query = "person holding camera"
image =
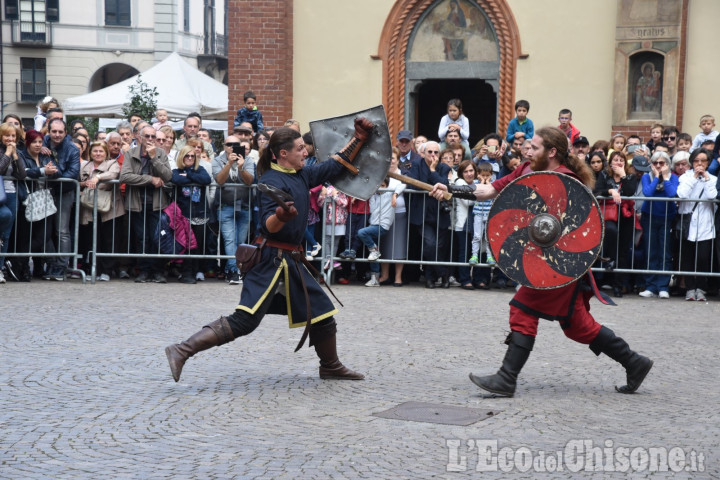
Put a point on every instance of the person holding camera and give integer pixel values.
(234, 176)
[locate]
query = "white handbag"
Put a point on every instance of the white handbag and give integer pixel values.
(38, 205)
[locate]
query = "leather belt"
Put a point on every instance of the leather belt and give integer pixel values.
(296, 252)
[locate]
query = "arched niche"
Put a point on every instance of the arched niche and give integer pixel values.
(646, 74)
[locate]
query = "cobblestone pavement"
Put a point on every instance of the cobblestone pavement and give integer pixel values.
(86, 393)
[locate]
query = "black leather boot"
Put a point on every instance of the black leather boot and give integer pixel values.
(637, 366)
(330, 366)
(213, 335)
(504, 381)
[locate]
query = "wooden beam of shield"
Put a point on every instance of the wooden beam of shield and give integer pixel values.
(416, 183)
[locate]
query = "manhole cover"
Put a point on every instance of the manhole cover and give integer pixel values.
(435, 413)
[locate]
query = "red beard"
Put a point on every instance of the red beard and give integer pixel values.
(539, 163)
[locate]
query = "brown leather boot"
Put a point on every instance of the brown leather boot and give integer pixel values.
(213, 335)
(330, 366)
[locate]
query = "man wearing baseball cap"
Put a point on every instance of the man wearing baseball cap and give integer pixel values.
(581, 147)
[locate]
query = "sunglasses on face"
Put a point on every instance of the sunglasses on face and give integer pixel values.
(232, 144)
(150, 136)
(190, 156)
(669, 138)
(658, 163)
(433, 151)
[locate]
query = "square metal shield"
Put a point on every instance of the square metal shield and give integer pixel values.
(436, 413)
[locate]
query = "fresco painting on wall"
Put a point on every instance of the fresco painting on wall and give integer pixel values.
(648, 90)
(454, 30)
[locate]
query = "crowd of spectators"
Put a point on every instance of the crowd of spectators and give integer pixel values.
(147, 178)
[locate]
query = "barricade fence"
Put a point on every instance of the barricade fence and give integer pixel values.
(123, 230)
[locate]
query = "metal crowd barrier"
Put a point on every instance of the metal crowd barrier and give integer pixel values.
(46, 228)
(122, 249)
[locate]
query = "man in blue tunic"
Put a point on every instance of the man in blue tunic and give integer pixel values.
(282, 166)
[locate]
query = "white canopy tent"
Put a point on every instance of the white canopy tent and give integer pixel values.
(181, 89)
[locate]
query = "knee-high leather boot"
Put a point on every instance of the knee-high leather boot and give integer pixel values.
(330, 366)
(504, 381)
(636, 366)
(212, 335)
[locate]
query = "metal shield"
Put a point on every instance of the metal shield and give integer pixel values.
(373, 160)
(545, 230)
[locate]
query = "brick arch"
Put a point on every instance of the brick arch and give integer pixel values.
(393, 47)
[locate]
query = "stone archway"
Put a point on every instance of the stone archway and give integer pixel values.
(393, 49)
(111, 74)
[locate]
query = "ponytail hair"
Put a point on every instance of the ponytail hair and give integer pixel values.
(282, 139)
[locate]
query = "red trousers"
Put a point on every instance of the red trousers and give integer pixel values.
(569, 305)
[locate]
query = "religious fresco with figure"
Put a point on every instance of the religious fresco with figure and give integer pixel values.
(454, 30)
(646, 85)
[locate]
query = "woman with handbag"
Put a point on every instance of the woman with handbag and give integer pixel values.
(657, 220)
(696, 222)
(34, 236)
(109, 205)
(615, 181)
(10, 166)
(190, 180)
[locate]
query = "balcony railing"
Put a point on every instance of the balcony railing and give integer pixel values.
(31, 34)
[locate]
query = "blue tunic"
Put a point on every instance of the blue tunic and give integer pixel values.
(261, 282)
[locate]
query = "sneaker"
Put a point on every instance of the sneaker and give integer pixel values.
(123, 274)
(160, 278)
(690, 295)
(2, 277)
(373, 282)
(664, 294)
(374, 255)
(200, 277)
(343, 281)
(142, 278)
(309, 258)
(700, 296)
(348, 255)
(337, 266)
(491, 260)
(75, 275)
(647, 294)
(104, 277)
(57, 274)
(453, 282)
(190, 280)
(234, 278)
(315, 250)
(474, 260)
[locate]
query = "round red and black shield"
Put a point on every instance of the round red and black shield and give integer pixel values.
(545, 230)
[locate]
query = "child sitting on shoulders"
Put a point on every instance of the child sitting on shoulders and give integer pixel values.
(707, 132)
(455, 117)
(249, 113)
(162, 119)
(520, 126)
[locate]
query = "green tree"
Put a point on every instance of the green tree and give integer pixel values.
(143, 100)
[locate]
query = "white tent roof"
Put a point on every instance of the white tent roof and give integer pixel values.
(182, 89)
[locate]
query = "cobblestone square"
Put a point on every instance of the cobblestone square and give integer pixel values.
(86, 393)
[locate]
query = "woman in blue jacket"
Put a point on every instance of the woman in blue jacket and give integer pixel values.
(190, 181)
(656, 220)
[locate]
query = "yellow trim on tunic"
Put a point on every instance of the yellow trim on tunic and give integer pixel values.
(284, 267)
(275, 166)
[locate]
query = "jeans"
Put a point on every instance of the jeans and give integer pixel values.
(144, 223)
(234, 226)
(7, 220)
(657, 239)
(64, 202)
(370, 236)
